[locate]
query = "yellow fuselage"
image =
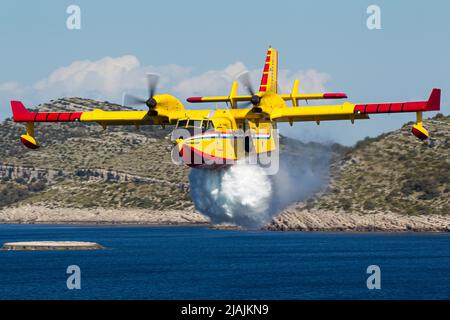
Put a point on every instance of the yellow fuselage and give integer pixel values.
(221, 140)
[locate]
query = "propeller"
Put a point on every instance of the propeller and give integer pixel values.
(244, 79)
(152, 84)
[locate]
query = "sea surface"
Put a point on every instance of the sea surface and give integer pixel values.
(200, 263)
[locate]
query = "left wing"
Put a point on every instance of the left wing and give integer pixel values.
(349, 111)
(167, 110)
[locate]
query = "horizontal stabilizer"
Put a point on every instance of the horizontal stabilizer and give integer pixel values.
(313, 96)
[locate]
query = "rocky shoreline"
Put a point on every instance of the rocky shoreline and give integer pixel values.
(31, 214)
(314, 220)
(289, 220)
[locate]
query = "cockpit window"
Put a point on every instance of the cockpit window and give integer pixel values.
(194, 124)
(207, 125)
(182, 124)
(204, 125)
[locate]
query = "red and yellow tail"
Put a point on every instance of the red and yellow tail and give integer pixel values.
(270, 72)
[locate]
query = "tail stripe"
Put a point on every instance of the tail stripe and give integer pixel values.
(269, 76)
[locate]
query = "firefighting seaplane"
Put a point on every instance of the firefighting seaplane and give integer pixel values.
(213, 137)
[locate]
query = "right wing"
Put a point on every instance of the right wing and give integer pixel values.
(168, 110)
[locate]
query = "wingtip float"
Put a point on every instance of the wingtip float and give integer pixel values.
(211, 134)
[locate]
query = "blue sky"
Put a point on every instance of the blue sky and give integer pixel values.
(194, 42)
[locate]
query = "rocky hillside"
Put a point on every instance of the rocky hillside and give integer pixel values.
(378, 180)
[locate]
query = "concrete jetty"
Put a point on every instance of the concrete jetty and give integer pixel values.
(51, 245)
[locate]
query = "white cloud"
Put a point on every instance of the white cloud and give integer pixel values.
(219, 81)
(105, 77)
(10, 86)
(210, 82)
(311, 81)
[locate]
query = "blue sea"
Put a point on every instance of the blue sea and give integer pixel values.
(200, 263)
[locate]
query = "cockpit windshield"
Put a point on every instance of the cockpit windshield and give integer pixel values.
(206, 124)
(182, 123)
(192, 124)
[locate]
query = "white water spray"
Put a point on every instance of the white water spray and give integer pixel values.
(238, 194)
(244, 195)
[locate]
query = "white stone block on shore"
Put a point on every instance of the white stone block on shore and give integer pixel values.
(51, 245)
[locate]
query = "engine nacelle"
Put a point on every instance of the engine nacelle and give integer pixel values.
(166, 102)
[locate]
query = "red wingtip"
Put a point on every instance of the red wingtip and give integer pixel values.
(334, 96)
(434, 101)
(194, 99)
(20, 113)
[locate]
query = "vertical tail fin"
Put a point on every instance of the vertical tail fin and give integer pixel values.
(270, 72)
